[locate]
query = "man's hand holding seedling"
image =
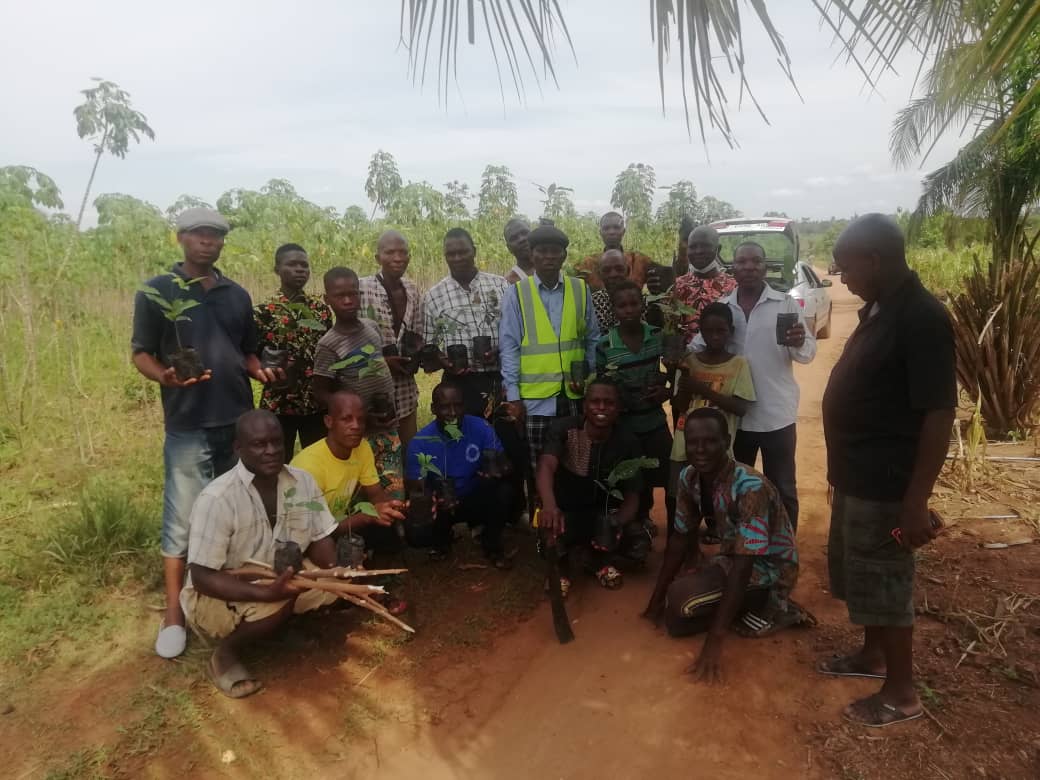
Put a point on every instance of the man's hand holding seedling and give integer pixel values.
(168, 378)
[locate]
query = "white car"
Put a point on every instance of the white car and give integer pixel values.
(811, 293)
(784, 270)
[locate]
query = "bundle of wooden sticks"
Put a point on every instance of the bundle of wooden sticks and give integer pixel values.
(329, 580)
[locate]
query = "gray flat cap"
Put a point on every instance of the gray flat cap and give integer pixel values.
(193, 219)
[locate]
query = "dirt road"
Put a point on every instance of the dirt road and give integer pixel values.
(616, 703)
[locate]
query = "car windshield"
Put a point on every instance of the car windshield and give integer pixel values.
(779, 253)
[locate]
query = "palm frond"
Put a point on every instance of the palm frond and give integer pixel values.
(961, 185)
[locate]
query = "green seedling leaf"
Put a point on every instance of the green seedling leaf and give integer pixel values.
(452, 429)
(313, 506)
(615, 493)
(290, 492)
(366, 508)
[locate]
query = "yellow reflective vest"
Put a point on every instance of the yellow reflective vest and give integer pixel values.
(545, 359)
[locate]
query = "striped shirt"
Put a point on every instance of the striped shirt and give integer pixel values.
(366, 376)
(634, 373)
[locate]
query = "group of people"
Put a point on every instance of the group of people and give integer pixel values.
(558, 406)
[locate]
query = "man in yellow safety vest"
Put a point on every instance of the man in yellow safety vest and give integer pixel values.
(547, 340)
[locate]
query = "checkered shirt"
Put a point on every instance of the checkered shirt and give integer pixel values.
(375, 305)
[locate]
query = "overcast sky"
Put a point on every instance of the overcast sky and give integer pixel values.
(242, 92)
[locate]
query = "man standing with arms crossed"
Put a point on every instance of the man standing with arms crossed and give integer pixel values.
(887, 414)
(199, 413)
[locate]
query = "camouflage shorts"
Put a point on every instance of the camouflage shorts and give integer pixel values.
(869, 570)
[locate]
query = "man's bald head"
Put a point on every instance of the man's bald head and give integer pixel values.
(871, 254)
(342, 399)
(612, 267)
(390, 236)
(874, 234)
(705, 233)
(252, 421)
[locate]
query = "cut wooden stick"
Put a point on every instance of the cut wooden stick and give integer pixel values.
(343, 573)
(561, 622)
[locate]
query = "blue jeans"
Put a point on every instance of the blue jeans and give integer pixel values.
(192, 459)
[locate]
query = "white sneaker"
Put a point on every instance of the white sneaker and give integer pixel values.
(171, 641)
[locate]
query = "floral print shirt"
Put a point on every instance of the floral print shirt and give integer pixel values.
(750, 519)
(698, 292)
(276, 326)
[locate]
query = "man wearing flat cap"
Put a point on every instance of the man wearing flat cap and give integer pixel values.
(548, 324)
(203, 362)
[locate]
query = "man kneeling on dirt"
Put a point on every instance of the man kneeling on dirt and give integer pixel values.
(237, 518)
(757, 564)
(583, 504)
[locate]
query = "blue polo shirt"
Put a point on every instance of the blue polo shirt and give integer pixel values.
(223, 331)
(458, 460)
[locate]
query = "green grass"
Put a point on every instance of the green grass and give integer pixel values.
(943, 270)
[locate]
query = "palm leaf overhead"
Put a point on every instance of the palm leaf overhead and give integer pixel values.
(869, 34)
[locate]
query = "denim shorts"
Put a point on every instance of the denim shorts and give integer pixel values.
(869, 570)
(192, 459)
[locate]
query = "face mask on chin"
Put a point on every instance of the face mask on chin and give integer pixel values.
(712, 267)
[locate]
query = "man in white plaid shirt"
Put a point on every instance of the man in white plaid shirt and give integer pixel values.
(460, 307)
(236, 518)
(392, 302)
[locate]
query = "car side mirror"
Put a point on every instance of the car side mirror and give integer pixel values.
(826, 283)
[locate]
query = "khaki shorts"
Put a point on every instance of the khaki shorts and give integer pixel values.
(869, 570)
(216, 619)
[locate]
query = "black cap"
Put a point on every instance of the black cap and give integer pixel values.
(548, 234)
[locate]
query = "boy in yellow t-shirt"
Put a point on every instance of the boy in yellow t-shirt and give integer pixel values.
(343, 464)
(714, 377)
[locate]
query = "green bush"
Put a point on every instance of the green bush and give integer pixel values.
(111, 533)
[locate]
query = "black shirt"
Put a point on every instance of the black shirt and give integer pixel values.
(897, 365)
(583, 462)
(221, 329)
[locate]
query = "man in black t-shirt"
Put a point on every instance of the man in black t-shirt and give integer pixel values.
(582, 503)
(200, 407)
(887, 414)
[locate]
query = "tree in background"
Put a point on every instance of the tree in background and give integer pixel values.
(497, 200)
(415, 203)
(183, 203)
(383, 180)
(108, 121)
(26, 184)
(713, 209)
(681, 202)
(996, 175)
(556, 201)
(456, 193)
(634, 192)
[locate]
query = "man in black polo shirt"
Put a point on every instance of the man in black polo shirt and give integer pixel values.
(887, 414)
(199, 412)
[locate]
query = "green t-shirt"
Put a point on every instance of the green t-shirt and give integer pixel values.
(732, 378)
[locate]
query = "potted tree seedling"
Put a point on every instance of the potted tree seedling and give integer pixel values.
(369, 362)
(672, 311)
(419, 526)
(287, 552)
(185, 361)
(608, 532)
(288, 320)
(350, 547)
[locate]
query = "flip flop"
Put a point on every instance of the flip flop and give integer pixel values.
(610, 578)
(753, 626)
(878, 713)
(844, 666)
(235, 674)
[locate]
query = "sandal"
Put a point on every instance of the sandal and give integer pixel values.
(610, 578)
(846, 666)
(752, 625)
(438, 555)
(876, 714)
(233, 676)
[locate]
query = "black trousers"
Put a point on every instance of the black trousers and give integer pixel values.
(778, 449)
(309, 427)
(484, 506)
(694, 597)
(480, 392)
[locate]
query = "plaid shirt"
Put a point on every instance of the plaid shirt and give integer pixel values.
(275, 328)
(698, 292)
(375, 305)
(229, 524)
(452, 314)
